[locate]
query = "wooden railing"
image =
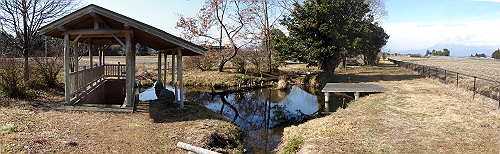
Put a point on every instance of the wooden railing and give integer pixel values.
(81, 80)
(114, 70)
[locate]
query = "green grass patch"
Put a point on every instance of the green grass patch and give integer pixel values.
(8, 128)
(293, 145)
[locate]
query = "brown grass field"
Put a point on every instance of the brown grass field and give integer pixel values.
(416, 115)
(489, 69)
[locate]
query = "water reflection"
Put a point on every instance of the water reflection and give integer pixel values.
(262, 114)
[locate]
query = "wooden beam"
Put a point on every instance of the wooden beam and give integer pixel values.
(96, 20)
(119, 41)
(97, 31)
(100, 19)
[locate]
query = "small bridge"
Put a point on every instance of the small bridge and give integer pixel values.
(355, 88)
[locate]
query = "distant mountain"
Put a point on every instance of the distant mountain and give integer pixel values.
(456, 50)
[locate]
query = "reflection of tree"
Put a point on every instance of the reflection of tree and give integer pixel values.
(275, 96)
(224, 101)
(282, 117)
(200, 97)
(258, 112)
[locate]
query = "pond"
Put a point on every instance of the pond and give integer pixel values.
(262, 114)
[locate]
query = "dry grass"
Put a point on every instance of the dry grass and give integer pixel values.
(489, 69)
(416, 115)
(33, 126)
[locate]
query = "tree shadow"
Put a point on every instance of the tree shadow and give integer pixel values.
(167, 111)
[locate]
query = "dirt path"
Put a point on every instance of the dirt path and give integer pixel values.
(416, 115)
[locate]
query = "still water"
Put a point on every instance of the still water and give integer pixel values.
(261, 114)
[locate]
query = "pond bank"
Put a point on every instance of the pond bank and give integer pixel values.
(416, 115)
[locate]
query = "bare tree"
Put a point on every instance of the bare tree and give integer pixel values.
(377, 8)
(228, 16)
(48, 64)
(23, 18)
(266, 17)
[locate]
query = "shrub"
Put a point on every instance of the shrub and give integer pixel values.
(496, 54)
(203, 63)
(415, 55)
(47, 70)
(11, 73)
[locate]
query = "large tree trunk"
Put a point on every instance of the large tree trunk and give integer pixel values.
(26, 69)
(225, 60)
(221, 64)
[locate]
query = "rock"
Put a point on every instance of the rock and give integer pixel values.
(281, 84)
(72, 143)
(166, 95)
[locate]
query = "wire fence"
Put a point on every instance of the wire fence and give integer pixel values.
(477, 85)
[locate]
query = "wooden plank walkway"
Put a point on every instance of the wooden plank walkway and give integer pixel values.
(356, 88)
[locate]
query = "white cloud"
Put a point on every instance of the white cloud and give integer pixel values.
(412, 36)
(498, 1)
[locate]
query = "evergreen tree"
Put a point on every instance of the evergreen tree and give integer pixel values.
(496, 54)
(323, 32)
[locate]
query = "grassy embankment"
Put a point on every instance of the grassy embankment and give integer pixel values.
(416, 115)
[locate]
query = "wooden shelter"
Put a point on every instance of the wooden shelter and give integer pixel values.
(99, 28)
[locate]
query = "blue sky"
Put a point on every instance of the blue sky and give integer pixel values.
(412, 24)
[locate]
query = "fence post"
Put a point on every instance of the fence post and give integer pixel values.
(474, 92)
(423, 71)
(457, 79)
(444, 76)
(429, 72)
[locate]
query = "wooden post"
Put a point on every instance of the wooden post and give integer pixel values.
(457, 79)
(356, 95)
(100, 48)
(173, 69)
(75, 66)
(474, 92)
(67, 82)
(327, 97)
(103, 57)
(165, 70)
(91, 54)
(129, 78)
(179, 78)
(118, 70)
(132, 73)
(159, 66)
(91, 63)
(445, 76)
(173, 77)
